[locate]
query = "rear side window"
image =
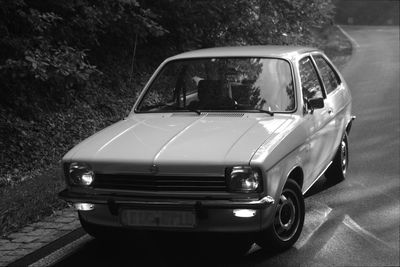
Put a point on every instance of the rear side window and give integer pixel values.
(310, 83)
(329, 76)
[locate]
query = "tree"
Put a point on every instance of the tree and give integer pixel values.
(46, 46)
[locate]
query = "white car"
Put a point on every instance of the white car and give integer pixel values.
(221, 140)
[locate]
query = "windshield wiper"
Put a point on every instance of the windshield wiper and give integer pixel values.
(246, 107)
(175, 107)
(191, 109)
(184, 108)
(266, 111)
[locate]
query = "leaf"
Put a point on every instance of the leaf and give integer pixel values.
(29, 58)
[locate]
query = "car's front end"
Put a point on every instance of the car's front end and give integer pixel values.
(187, 183)
(171, 202)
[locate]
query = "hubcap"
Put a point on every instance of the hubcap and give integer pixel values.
(286, 217)
(343, 153)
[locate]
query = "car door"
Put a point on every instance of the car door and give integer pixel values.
(320, 123)
(335, 97)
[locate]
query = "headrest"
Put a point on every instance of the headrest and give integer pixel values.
(208, 89)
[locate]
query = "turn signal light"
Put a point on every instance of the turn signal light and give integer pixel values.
(244, 213)
(83, 206)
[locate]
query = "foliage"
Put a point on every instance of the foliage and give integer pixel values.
(45, 44)
(207, 23)
(291, 21)
(30, 145)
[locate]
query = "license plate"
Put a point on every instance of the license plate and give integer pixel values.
(158, 218)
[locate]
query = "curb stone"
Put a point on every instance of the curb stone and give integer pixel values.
(36, 235)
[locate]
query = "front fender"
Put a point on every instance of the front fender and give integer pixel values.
(276, 178)
(349, 124)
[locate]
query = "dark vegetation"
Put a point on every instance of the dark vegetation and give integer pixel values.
(71, 68)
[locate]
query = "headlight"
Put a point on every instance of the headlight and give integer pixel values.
(244, 179)
(80, 174)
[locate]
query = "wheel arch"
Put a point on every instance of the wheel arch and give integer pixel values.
(349, 124)
(296, 174)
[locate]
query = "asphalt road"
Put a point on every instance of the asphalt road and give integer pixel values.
(352, 223)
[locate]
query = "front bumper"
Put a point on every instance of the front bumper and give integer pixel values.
(211, 215)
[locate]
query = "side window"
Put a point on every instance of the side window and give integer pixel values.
(310, 83)
(329, 76)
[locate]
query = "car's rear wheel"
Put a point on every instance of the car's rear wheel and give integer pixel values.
(338, 169)
(288, 220)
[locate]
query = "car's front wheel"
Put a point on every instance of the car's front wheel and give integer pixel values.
(288, 220)
(338, 169)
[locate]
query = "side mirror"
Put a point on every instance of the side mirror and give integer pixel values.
(315, 103)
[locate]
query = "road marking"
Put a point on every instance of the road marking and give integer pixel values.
(349, 222)
(62, 252)
(354, 42)
(254, 248)
(315, 218)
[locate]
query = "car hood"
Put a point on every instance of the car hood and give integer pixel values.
(177, 143)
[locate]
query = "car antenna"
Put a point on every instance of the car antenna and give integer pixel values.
(133, 58)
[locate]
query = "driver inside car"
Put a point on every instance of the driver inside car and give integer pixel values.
(212, 94)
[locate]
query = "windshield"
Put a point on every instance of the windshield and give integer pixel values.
(215, 84)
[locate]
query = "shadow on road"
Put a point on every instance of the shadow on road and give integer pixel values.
(163, 250)
(322, 184)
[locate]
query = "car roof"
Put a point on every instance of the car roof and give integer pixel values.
(279, 51)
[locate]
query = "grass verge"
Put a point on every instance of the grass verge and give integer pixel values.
(29, 199)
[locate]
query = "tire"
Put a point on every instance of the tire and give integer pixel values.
(288, 221)
(338, 169)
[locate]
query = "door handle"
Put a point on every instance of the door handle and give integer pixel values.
(330, 111)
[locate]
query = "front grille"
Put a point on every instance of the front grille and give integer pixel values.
(159, 183)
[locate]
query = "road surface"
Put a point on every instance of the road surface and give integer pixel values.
(353, 223)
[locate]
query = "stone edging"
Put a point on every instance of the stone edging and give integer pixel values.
(36, 235)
